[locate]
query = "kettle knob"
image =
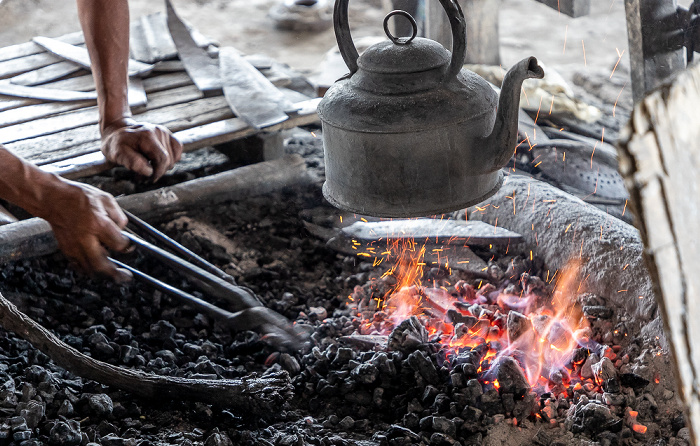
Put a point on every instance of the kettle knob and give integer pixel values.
(349, 51)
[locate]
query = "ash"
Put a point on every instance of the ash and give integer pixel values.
(353, 385)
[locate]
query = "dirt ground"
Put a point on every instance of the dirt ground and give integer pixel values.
(589, 43)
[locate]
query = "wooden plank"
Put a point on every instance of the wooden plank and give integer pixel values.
(31, 48)
(216, 132)
(80, 140)
(44, 94)
(38, 111)
(658, 159)
(9, 102)
(46, 74)
(14, 67)
(90, 116)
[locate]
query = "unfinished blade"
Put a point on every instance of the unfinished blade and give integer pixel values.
(45, 94)
(455, 232)
(248, 92)
(80, 56)
(203, 70)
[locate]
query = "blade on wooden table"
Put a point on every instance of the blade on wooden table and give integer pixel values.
(251, 96)
(203, 70)
(81, 57)
(45, 94)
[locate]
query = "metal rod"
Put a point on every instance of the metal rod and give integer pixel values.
(238, 297)
(178, 248)
(188, 298)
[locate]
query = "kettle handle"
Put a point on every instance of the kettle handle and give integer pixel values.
(350, 54)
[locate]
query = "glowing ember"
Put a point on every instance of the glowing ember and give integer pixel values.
(545, 331)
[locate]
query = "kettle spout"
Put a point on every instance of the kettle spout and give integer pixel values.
(503, 137)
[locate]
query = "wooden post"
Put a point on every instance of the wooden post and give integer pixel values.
(653, 57)
(482, 29)
(572, 8)
(658, 159)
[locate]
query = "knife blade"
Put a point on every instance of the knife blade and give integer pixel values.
(203, 70)
(249, 93)
(80, 56)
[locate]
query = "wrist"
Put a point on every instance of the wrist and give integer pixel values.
(109, 125)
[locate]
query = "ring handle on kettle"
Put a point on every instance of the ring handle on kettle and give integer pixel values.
(350, 54)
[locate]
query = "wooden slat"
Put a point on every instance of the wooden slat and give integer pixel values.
(14, 67)
(46, 149)
(193, 138)
(31, 48)
(90, 115)
(46, 74)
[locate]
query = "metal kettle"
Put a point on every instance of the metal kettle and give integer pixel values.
(411, 133)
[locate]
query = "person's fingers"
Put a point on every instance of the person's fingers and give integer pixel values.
(176, 147)
(154, 150)
(129, 158)
(115, 212)
(96, 257)
(111, 236)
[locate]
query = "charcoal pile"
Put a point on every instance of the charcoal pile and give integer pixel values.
(442, 359)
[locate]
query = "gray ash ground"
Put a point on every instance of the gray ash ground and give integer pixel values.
(344, 394)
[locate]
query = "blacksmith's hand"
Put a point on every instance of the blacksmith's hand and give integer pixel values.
(85, 221)
(147, 149)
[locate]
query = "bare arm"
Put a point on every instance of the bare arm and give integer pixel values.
(83, 218)
(147, 149)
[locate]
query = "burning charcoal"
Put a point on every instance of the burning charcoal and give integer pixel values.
(466, 291)
(612, 385)
(587, 367)
(516, 268)
(495, 272)
(473, 391)
(408, 336)
(633, 380)
(508, 402)
(491, 403)
(592, 417)
(613, 399)
(510, 377)
(531, 284)
(365, 373)
(457, 380)
(597, 312)
(604, 370)
(456, 318)
(517, 325)
(590, 300)
(484, 291)
(422, 364)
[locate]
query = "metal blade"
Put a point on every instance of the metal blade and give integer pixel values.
(45, 94)
(81, 57)
(203, 70)
(248, 92)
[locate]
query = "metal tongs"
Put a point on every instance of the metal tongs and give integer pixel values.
(247, 311)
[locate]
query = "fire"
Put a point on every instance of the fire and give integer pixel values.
(541, 330)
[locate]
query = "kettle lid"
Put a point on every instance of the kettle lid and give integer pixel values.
(403, 55)
(413, 56)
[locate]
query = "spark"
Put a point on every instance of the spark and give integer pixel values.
(583, 45)
(618, 97)
(625, 208)
(618, 61)
(566, 35)
(538, 111)
(551, 106)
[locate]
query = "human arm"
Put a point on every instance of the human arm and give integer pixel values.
(84, 219)
(147, 149)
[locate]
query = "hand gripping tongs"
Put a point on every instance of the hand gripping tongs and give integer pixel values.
(247, 312)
